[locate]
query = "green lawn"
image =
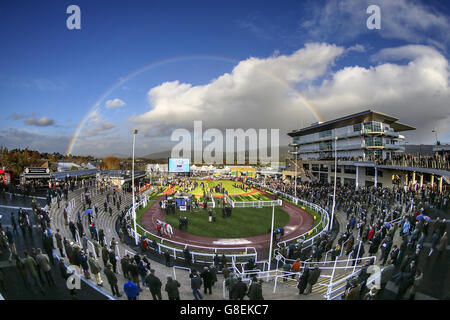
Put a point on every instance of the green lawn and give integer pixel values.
(252, 197)
(228, 185)
(244, 222)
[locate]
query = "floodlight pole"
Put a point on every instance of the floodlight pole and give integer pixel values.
(296, 163)
(295, 145)
(132, 183)
(271, 236)
(334, 190)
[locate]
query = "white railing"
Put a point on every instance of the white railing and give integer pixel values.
(182, 268)
(323, 223)
(248, 252)
(257, 204)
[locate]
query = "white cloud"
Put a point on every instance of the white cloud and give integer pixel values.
(114, 104)
(18, 138)
(345, 20)
(255, 94)
(415, 90)
(39, 122)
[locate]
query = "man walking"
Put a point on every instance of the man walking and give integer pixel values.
(112, 280)
(172, 289)
(196, 284)
(31, 265)
(154, 284)
(239, 290)
(59, 242)
(44, 264)
(207, 280)
(131, 290)
(255, 290)
(314, 275)
(95, 269)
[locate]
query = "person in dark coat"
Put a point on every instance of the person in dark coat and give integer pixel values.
(353, 292)
(143, 268)
(239, 290)
(223, 261)
(196, 284)
(405, 281)
(187, 257)
(65, 274)
(73, 229)
(101, 237)
(112, 259)
(80, 228)
(124, 263)
(112, 280)
(134, 273)
(213, 271)
(225, 272)
(207, 280)
(172, 289)
(314, 275)
(105, 255)
(83, 261)
(255, 290)
(303, 281)
(154, 284)
(167, 258)
(59, 242)
(386, 246)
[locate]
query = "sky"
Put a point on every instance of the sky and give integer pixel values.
(158, 66)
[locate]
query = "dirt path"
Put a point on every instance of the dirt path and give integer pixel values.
(299, 223)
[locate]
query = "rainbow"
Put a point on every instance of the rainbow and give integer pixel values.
(159, 63)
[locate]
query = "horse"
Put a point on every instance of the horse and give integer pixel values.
(166, 228)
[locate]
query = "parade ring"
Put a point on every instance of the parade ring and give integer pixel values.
(300, 222)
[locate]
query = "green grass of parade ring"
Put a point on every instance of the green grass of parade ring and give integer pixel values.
(244, 222)
(228, 185)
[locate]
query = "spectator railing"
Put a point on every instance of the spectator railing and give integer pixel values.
(248, 252)
(253, 204)
(324, 218)
(182, 268)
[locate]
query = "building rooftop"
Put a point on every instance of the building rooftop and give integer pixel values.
(361, 117)
(441, 147)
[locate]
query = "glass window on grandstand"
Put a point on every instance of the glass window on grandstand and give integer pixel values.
(349, 182)
(373, 153)
(325, 134)
(325, 155)
(306, 166)
(372, 183)
(338, 169)
(323, 177)
(357, 127)
(315, 167)
(350, 169)
(372, 126)
(371, 172)
(325, 145)
(373, 141)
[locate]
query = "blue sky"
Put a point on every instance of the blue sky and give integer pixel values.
(51, 77)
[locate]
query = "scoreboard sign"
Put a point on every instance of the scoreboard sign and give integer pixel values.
(36, 173)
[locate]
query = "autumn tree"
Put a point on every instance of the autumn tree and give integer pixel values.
(112, 163)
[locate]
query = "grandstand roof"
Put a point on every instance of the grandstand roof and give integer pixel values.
(361, 117)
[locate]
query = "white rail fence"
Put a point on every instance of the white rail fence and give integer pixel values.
(164, 244)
